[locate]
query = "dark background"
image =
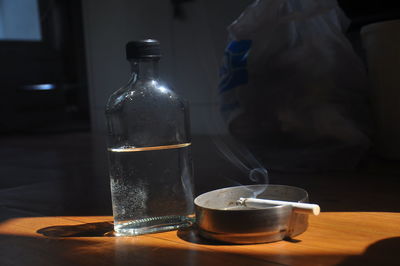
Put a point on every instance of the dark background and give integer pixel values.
(49, 140)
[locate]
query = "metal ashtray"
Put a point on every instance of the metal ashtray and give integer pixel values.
(219, 217)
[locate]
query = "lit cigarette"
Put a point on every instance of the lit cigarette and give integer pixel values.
(306, 208)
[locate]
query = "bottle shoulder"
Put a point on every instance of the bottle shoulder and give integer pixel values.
(144, 93)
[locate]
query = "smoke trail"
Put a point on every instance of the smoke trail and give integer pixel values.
(234, 151)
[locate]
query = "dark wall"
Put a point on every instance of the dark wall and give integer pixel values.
(57, 59)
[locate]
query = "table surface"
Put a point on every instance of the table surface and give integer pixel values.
(345, 238)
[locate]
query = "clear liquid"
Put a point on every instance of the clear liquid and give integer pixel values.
(151, 188)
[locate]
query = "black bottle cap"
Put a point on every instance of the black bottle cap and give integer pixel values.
(148, 48)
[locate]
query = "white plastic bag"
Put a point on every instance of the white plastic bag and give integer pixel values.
(292, 89)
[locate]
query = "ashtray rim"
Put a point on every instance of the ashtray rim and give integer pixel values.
(200, 197)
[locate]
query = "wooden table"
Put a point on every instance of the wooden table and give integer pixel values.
(345, 238)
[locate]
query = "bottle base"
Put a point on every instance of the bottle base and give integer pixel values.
(151, 225)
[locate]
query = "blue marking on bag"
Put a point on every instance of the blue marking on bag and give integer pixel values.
(233, 72)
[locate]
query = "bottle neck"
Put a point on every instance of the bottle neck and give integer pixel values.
(144, 68)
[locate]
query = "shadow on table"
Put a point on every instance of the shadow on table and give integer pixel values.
(81, 230)
(383, 252)
(191, 235)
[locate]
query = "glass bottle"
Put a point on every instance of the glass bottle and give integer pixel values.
(149, 149)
